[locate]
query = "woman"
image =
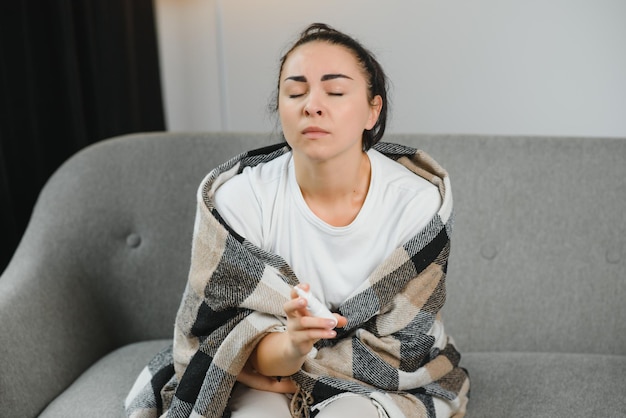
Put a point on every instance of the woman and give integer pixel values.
(360, 224)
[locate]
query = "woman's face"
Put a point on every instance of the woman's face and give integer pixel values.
(323, 101)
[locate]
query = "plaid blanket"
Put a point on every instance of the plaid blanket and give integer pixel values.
(393, 349)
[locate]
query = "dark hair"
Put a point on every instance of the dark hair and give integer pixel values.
(376, 78)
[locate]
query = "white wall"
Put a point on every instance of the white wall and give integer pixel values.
(534, 67)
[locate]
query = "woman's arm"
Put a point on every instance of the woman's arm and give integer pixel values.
(283, 353)
(255, 380)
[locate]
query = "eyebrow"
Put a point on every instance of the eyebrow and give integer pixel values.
(325, 77)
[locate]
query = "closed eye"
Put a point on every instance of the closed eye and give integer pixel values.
(295, 96)
(335, 94)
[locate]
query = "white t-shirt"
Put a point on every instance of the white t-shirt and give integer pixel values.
(265, 205)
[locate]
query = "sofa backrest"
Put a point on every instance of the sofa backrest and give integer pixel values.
(538, 257)
(118, 217)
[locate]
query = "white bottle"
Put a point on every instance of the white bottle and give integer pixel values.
(314, 306)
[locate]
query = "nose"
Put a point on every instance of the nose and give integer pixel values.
(313, 106)
(310, 112)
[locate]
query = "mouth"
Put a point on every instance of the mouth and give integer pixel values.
(314, 132)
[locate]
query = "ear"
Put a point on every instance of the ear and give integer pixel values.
(376, 106)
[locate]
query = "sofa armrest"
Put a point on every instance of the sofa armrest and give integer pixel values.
(50, 328)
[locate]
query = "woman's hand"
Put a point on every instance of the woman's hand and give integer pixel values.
(255, 380)
(305, 330)
(283, 353)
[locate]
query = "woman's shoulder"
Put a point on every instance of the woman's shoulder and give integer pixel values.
(243, 198)
(251, 178)
(391, 174)
(403, 198)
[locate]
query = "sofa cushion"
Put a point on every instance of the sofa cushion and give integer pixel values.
(546, 385)
(100, 391)
(503, 384)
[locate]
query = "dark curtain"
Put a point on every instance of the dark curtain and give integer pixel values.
(72, 72)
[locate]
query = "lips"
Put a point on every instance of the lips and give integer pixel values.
(314, 132)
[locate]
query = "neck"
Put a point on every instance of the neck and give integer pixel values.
(335, 190)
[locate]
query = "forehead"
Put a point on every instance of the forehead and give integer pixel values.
(319, 57)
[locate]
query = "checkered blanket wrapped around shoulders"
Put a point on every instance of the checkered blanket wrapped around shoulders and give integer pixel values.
(393, 349)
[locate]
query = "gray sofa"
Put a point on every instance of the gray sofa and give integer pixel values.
(536, 284)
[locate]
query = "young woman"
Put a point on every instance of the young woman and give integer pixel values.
(362, 225)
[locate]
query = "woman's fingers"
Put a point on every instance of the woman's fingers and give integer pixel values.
(295, 307)
(300, 317)
(342, 321)
(249, 377)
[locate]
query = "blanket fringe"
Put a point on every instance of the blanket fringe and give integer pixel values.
(301, 404)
